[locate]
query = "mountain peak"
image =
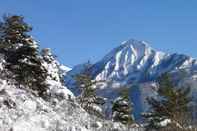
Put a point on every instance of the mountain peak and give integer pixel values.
(131, 50)
(135, 43)
(135, 60)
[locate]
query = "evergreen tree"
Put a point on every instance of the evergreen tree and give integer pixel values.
(88, 98)
(22, 54)
(171, 103)
(122, 108)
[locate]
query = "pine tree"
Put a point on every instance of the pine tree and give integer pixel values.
(122, 108)
(171, 103)
(22, 54)
(88, 98)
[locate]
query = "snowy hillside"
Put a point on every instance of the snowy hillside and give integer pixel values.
(22, 110)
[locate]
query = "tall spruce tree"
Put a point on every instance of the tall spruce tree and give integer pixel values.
(171, 103)
(88, 98)
(122, 108)
(22, 54)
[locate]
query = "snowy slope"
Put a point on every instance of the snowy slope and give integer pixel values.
(23, 110)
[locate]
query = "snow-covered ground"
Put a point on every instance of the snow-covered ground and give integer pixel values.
(20, 110)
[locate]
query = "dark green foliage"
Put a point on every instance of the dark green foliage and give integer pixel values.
(88, 98)
(85, 84)
(122, 109)
(14, 30)
(22, 54)
(172, 103)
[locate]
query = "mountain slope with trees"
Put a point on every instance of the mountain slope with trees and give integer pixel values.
(33, 95)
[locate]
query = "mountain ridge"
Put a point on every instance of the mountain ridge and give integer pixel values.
(135, 63)
(135, 56)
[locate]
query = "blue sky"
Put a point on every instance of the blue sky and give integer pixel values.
(82, 30)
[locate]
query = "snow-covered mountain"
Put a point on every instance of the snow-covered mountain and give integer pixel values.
(136, 61)
(136, 64)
